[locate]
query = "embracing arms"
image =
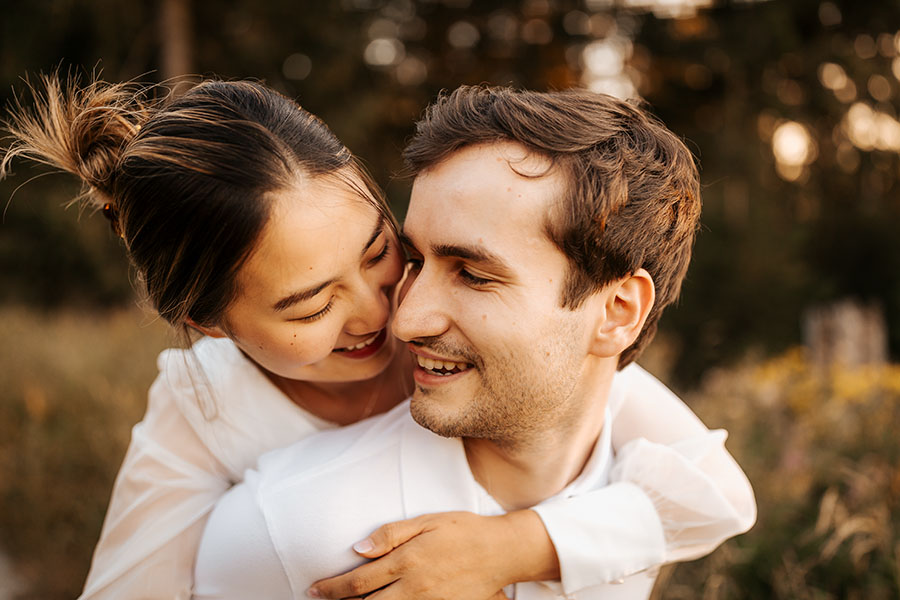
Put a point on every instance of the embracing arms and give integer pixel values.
(675, 494)
(163, 493)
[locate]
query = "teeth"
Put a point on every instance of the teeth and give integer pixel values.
(362, 345)
(437, 365)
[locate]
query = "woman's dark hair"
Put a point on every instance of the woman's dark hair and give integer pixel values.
(188, 181)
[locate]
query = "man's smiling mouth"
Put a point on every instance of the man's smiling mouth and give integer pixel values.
(441, 367)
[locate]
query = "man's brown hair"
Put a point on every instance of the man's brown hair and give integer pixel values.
(632, 195)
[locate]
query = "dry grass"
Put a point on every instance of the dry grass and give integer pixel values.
(822, 453)
(72, 386)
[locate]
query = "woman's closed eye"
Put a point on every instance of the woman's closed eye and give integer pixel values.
(317, 315)
(381, 255)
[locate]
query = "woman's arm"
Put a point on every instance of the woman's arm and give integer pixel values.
(163, 493)
(448, 555)
(699, 491)
(675, 493)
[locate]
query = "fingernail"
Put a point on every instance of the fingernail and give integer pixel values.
(313, 593)
(364, 546)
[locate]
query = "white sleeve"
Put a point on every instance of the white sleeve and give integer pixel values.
(237, 558)
(168, 483)
(675, 493)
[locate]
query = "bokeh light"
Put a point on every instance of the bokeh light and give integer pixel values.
(794, 148)
(384, 52)
(297, 66)
(869, 129)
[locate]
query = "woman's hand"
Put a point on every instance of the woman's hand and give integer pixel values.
(447, 556)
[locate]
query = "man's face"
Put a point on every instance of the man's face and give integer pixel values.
(498, 357)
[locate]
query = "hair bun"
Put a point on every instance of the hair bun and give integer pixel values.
(81, 130)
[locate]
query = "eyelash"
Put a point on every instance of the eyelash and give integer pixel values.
(381, 255)
(316, 316)
(415, 264)
(473, 280)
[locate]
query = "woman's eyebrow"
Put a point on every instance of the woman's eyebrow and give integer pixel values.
(300, 296)
(312, 291)
(379, 227)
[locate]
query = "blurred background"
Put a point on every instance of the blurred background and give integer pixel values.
(786, 333)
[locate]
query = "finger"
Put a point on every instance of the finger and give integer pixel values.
(387, 537)
(362, 580)
(499, 596)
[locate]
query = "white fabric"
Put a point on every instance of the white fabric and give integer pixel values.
(665, 502)
(212, 413)
(318, 497)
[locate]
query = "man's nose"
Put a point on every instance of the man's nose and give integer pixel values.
(422, 311)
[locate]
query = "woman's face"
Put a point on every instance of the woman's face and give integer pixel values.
(314, 298)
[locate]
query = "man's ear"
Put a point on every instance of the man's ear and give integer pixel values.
(215, 332)
(625, 304)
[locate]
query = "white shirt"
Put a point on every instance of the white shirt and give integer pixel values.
(293, 521)
(211, 413)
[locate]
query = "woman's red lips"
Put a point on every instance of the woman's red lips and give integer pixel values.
(365, 351)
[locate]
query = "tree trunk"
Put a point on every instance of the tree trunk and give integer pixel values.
(846, 333)
(176, 40)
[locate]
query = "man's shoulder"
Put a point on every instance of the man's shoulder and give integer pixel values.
(318, 455)
(319, 496)
(294, 519)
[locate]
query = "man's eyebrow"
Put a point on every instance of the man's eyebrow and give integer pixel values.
(472, 253)
(302, 295)
(406, 241)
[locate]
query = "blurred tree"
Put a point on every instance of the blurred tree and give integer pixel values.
(175, 40)
(791, 107)
(779, 239)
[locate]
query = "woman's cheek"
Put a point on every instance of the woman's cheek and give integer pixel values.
(312, 347)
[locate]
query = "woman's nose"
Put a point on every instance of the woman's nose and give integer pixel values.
(372, 308)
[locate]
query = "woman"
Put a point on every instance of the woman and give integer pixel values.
(250, 223)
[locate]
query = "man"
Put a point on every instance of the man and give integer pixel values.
(546, 233)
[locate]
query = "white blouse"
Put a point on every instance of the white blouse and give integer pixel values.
(211, 413)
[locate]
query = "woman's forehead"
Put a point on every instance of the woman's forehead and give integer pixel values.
(314, 232)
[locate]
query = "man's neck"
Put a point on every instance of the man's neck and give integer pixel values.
(524, 472)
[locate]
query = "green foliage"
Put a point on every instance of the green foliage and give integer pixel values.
(769, 247)
(52, 256)
(723, 79)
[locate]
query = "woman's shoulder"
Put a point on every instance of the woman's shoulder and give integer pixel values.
(229, 402)
(213, 357)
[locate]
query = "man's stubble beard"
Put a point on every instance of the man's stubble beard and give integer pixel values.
(515, 403)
